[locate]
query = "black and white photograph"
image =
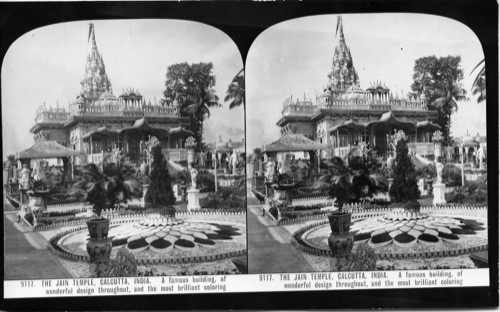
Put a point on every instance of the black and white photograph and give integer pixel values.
(367, 144)
(124, 154)
(209, 155)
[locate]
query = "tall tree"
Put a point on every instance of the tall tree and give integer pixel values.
(479, 84)
(192, 86)
(236, 91)
(404, 187)
(439, 79)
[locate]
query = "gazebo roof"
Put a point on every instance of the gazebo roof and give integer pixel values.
(389, 118)
(181, 131)
(293, 142)
(141, 125)
(102, 131)
(349, 124)
(46, 149)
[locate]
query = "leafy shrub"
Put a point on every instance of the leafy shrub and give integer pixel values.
(405, 186)
(452, 175)
(472, 193)
(167, 211)
(226, 198)
(160, 192)
(412, 205)
(123, 265)
(363, 259)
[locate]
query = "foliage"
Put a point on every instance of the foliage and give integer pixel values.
(479, 84)
(167, 211)
(226, 198)
(412, 205)
(123, 265)
(472, 193)
(236, 91)
(452, 175)
(192, 87)
(160, 192)
(404, 186)
(205, 181)
(101, 190)
(363, 259)
(428, 171)
(349, 183)
(439, 79)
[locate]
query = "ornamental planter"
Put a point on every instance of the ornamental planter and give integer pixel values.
(99, 245)
(98, 229)
(340, 240)
(99, 249)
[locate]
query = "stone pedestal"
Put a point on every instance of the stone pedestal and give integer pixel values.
(193, 198)
(439, 191)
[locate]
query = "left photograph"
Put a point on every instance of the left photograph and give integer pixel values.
(123, 151)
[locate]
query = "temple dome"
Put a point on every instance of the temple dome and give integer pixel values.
(107, 98)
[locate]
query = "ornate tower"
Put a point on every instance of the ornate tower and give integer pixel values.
(95, 81)
(343, 74)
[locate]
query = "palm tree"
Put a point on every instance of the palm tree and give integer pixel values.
(236, 91)
(199, 109)
(479, 84)
(350, 182)
(102, 190)
(447, 94)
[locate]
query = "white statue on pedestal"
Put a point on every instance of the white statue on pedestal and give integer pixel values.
(25, 177)
(439, 171)
(234, 161)
(285, 165)
(480, 154)
(194, 173)
(269, 171)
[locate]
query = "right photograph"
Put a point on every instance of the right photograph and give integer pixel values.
(366, 144)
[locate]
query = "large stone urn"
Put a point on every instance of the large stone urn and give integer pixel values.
(340, 241)
(437, 150)
(99, 245)
(190, 156)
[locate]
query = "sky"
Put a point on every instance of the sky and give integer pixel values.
(294, 58)
(47, 64)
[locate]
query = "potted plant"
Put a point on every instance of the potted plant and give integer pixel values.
(340, 240)
(103, 190)
(348, 183)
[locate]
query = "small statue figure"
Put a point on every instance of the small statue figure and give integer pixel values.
(194, 173)
(481, 157)
(25, 177)
(439, 171)
(285, 165)
(234, 161)
(269, 171)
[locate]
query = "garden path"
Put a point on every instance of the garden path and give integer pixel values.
(269, 247)
(25, 253)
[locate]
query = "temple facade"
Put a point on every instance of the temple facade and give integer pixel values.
(345, 115)
(98, 123)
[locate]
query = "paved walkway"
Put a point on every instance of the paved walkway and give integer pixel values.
(25, 252)
(269, 247)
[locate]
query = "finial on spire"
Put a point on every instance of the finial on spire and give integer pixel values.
(339, 26)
